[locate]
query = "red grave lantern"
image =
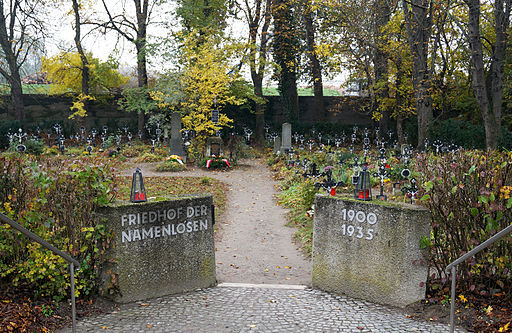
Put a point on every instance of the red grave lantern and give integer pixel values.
(138, 192)
(363, 189)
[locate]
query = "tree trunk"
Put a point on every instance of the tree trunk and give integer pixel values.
(285, 55)
(17, 97)
(400, 100)
(400, 129)
(418, 22)
(258, 68)
(478, 72)
(380, 59)
(83, 58)
(316, 68)
(502, 20)
(140, 46)
(78, 44)
(142, 81)
(259, 110)
(13, 75)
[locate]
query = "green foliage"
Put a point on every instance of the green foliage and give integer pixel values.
(461, 132)
(208, 17)
(55, 198)
(215, 162)
(468, 196)
(170, 165)
(148, 158)
(34, 147)
(137, 100)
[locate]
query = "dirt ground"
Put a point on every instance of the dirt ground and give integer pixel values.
(253, 244)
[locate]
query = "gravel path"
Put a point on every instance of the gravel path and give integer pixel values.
(253, 245)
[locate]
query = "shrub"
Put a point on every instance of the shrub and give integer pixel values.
(53, 150)
(170, 165)
(468, 194)
(148, 158)
(34, 147)
(56, 199)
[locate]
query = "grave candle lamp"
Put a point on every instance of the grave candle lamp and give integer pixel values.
(363, 186)
(138, 192)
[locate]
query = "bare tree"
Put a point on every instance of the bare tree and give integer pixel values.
(488, 88)
(134, 29)
(258, 16)
(21, 30)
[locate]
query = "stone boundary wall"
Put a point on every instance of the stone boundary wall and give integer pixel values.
(44, 110)
(370, 249)
(160, 248)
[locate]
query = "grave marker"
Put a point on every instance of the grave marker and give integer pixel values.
(286, 137)
(277, 144)
(176, 144)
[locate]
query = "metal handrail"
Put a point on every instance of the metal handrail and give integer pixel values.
(72, 262)
(453, 267)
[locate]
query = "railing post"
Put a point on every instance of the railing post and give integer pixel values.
(452, 305)
(73, 305)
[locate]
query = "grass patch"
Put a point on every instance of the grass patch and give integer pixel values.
(299, 219)
(42, 89)
(165, 186)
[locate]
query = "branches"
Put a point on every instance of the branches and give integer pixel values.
(116, 25)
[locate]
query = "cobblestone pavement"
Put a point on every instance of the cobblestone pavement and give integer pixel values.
(257, 308)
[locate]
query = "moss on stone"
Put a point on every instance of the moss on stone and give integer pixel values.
(152, 200)
(392, 204)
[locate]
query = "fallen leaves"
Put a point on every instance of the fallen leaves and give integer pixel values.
(504, 328)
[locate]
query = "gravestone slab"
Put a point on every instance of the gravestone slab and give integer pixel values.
(277, 145)
(286, 138)
(370, 250)
(160, 248)
(214, 146)
(176, 143)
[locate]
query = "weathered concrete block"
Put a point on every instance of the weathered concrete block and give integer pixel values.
(160, 248)
(370, 250)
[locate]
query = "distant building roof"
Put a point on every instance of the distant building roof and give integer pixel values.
(36, 78)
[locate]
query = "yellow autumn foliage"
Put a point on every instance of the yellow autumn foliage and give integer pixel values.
(65, 74)
(206, 82)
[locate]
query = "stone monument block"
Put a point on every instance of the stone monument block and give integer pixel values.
(370, 249)
(160, 247)
(286, 138)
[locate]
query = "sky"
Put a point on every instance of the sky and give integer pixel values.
(104, 45)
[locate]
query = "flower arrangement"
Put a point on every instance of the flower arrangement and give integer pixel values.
(217, 162)
(175, 158)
